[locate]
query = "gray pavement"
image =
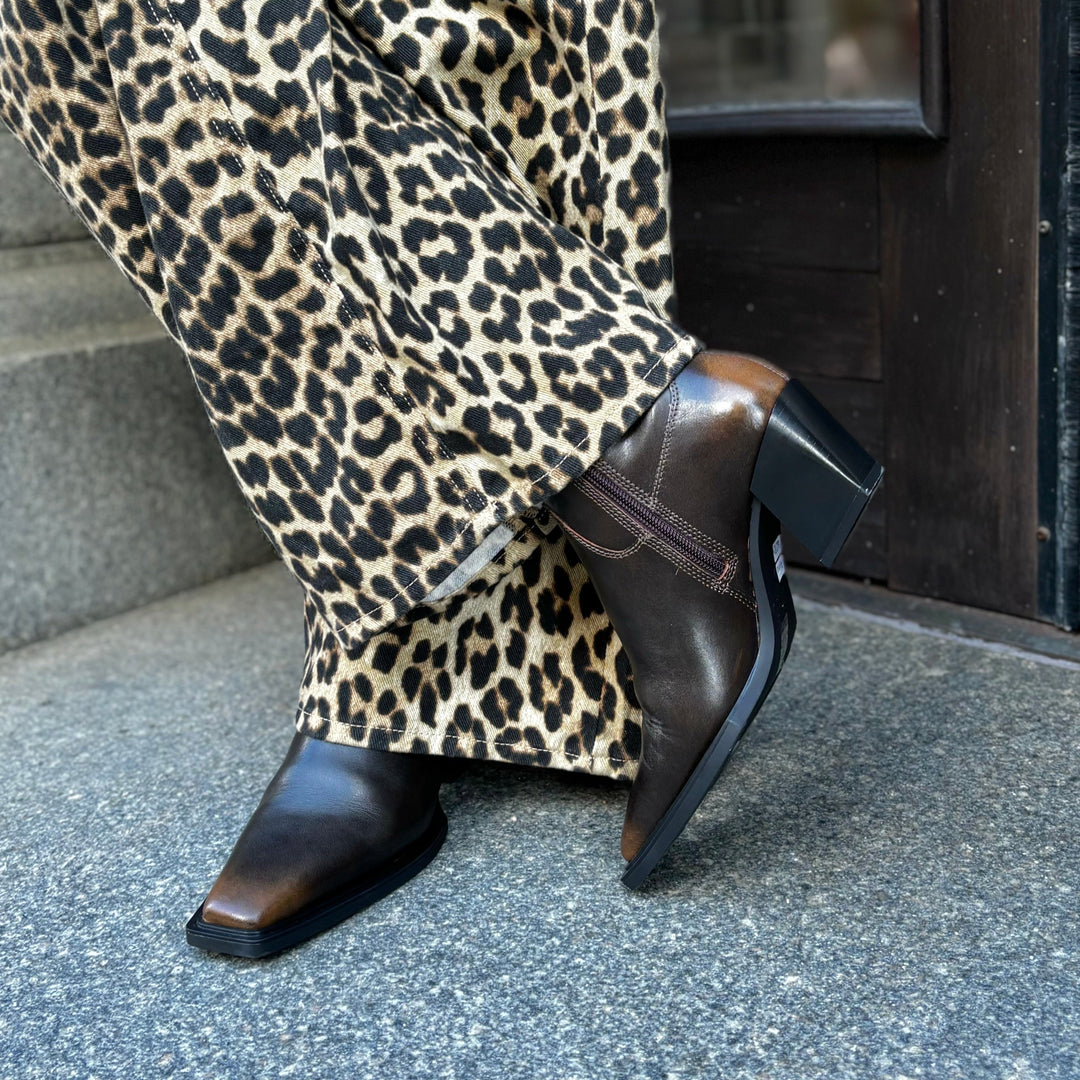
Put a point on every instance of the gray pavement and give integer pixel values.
(883, 884)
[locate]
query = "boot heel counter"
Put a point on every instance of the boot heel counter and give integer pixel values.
(812, 474)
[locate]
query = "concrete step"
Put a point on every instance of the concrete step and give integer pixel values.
(31, 209)
(61, 295)
(882, 884)
(113, 490)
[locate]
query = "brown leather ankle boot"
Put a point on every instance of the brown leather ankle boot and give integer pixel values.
(677, 527)
(338, 828)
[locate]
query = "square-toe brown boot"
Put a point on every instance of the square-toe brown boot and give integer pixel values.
(338, 828)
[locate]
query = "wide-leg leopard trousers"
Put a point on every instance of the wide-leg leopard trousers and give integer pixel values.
(418, 259)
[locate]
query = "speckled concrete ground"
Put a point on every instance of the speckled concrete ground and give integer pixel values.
(884, 883)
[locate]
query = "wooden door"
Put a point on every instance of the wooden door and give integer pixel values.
(897, 276)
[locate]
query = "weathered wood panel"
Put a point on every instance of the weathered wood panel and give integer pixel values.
(788, 202)
(810, 322)
(959, 287)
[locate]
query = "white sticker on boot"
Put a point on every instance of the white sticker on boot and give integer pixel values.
(778, 559)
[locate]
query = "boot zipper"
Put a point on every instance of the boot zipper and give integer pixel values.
(651, 521)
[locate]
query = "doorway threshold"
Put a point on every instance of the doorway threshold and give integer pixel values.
(938, 618)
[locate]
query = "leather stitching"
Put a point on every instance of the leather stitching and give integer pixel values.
(665, 448)
(607, 553)
(720, 582)
(665, 512)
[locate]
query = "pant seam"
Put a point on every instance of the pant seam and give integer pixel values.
(321, 264)
(322, 269)
(368, 728)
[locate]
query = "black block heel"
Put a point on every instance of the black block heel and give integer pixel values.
(812, 474)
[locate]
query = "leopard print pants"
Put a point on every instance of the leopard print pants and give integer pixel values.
(417, 256)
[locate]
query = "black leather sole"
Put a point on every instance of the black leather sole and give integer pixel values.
(326, 913)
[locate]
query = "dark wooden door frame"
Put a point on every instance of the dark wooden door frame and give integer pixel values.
(1059, 316)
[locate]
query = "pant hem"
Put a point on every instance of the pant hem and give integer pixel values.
(654, 380)
(416, 738)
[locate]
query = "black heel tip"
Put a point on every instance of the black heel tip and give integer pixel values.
(850, 518)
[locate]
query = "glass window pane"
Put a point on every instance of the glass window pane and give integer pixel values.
(769, 52)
